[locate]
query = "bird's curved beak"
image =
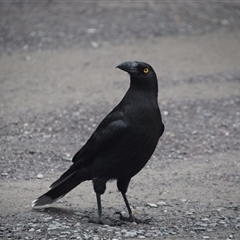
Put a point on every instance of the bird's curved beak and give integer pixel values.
(129, 66)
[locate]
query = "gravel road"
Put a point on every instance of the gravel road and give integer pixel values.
(58, 80)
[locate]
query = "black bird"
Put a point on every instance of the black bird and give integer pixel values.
(120, 146)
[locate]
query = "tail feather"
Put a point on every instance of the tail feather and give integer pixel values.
(67, 174)
(57, 192)
(61, 180)
(44, 201)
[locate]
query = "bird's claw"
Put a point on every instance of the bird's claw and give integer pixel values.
(132, 219)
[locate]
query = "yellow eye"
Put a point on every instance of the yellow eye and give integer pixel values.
(145, 70)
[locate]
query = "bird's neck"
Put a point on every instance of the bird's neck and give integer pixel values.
(144, 88)
(141, 97)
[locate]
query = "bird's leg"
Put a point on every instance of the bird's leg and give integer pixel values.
(99, 205)
(122, 185)
(131, 217)
(99, 208)
(99, 186)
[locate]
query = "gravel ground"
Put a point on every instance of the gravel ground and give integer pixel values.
(190, 188)
(52, 24)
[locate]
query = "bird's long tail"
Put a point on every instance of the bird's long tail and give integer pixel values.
(58, 191)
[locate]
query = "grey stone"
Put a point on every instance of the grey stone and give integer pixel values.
(153, 205)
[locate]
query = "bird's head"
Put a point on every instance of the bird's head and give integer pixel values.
(135, 68)
(141, 74)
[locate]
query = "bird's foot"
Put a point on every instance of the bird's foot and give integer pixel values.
(90, 220)
(132, 219)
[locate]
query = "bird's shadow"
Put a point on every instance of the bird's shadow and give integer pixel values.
(83, 217)
(59, 211)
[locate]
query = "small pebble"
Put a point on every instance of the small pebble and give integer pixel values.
(47, 219)
(94, 44)
(92, 30)
(165, 113)
(188, 213)
(222, 222)
(118, 234)
(194, 132)
(64, 233)
(40, 176)
(131, 234)
(237, 226)
(148, 234)
(67, 158)
(212, 224)
(105, 226)
(153, 205)
(25, 47)
(224, 22)
(27, 58)
(201, 224)
(134, 224)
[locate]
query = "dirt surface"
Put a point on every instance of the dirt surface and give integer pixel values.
(58, 80)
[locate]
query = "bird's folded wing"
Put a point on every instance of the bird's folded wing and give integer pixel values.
(103, 137)
(107, 133)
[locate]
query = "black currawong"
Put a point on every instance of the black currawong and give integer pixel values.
(120, 146)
